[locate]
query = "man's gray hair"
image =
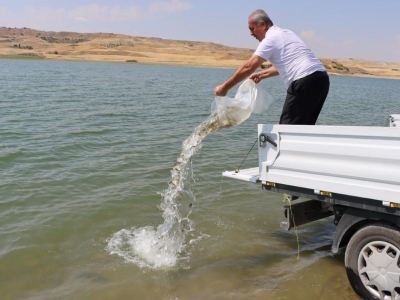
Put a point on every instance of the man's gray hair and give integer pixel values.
(259, 15)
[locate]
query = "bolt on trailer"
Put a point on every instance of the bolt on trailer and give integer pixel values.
(351, 173)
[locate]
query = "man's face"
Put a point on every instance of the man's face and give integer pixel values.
(258, 31)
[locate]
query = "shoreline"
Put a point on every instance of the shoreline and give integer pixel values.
(11, 57)
(38, 58)
(25, 43)
(364, 76)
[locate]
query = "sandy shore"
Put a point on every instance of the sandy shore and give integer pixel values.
(108, 47)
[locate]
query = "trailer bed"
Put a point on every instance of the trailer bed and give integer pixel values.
(356, 161)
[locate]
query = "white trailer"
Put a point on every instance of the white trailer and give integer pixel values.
(349, 172)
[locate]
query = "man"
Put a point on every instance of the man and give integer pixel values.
(302, 72)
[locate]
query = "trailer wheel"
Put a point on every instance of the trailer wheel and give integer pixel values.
(372, 261)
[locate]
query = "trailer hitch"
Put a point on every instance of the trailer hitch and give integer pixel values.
(264, 139)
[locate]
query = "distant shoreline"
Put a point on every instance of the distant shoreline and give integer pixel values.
(363, 76)
(26, 43)
(18, 57)
(37, 58)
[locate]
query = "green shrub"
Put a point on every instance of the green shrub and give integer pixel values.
(265, 66)
(339, 66)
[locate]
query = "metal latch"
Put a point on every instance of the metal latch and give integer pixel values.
(264, 139)
(268, 183)
(323, 193)
(391, 204)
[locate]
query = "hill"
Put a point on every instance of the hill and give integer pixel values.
(30, 43)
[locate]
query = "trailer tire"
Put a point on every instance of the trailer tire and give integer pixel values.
(372, 261)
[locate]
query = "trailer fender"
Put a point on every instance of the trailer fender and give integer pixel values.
(346, 222)
(349, 220)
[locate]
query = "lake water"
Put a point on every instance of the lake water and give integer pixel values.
(87, 149)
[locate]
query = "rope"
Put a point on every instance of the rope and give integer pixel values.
(237, 170)
(387, 123)
(288, 198)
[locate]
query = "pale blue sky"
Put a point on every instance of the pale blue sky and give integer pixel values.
(332, 29)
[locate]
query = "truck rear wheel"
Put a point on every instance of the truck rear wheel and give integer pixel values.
(372, 261)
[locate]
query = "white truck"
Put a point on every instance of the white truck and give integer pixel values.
(351, 173)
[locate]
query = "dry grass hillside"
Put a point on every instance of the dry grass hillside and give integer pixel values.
(30, 43)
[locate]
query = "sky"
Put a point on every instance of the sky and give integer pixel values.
(364, 29)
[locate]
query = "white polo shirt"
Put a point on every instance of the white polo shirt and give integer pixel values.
(288, 54)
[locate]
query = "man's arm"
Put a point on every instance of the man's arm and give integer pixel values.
(242, 73)
(270, 72)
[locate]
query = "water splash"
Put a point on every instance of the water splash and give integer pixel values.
(160, 247)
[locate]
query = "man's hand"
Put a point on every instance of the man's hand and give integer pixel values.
(270, 72)
(255, 77)
(220, 90)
